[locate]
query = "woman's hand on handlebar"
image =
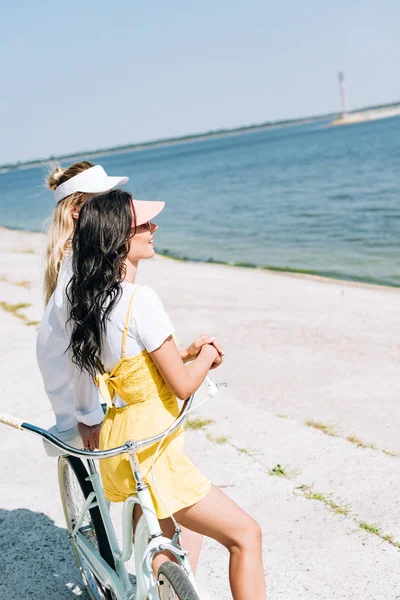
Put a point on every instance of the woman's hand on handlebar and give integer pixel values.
(90, 435)
(192, 351)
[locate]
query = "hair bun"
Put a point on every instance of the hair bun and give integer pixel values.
(53, 179)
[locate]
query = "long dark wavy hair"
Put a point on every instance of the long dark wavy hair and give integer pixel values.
(100, 246)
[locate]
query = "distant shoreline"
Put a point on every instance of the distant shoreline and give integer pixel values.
(365, 115)
(323, 275)
(162, 143)
(197, 137)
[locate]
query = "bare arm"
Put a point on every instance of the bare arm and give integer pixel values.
(183, 380)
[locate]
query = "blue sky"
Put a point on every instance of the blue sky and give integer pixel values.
(92, 74)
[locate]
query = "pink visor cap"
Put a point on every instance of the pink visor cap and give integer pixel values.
(146, 210)
(96, 181)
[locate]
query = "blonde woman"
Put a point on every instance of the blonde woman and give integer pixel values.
(73, 396)
(68, 186)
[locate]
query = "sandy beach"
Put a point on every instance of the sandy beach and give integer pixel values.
(372, 114)
(305, 435)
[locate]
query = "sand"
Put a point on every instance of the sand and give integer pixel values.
(372, 114)
(298, 349)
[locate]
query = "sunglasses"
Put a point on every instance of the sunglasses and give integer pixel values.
(141, 228)
(146, 226)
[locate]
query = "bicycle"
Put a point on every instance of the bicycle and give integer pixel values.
(100, 560)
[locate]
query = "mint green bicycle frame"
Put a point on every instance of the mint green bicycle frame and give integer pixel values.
(148, 528)
(149, 539)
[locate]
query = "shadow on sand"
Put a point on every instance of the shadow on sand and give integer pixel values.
(36, 559)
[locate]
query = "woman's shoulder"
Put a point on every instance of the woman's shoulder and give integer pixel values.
(142, 300)
(149, 319)
(146, 293)
(139, 294)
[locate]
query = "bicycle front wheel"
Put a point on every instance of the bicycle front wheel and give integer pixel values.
(174, 584)
(74, 489)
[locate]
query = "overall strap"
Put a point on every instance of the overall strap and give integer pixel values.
(127, 321)
(101, 380)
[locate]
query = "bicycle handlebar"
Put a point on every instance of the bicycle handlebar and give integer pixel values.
(129, 446)
(11, 421)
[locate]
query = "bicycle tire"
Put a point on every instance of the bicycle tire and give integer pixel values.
(173, 583)
(74, 489)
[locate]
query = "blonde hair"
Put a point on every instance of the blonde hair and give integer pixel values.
(62, 225)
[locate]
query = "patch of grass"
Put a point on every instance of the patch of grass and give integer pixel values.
(282, 416)
(278, 470)
(284, 471)
(23, 283)
(243, 451)
(15, 310)
(391, 453)
(390, 540)
(371, 528)
(327, 429)
(195, 424)
(222, 439)
(330, 430)
(308, 492)
(355, 440)
(23, 251)
(336, 508)
(248, 265)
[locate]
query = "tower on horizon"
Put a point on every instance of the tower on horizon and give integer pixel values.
(343, 95)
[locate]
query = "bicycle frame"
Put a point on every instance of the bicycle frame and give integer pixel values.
(149, 539)
(147, 528)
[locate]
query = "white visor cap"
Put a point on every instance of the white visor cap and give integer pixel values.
(91, 181)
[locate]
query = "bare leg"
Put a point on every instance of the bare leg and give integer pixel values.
(218, 517)
(191, 541)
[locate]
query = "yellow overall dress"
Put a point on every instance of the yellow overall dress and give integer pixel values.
(151, 408)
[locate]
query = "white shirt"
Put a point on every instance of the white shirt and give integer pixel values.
(72, 393)
(149, 327)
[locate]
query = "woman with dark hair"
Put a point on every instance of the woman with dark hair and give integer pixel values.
(122, 330)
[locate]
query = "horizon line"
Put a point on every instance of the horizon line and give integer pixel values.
(187, 137)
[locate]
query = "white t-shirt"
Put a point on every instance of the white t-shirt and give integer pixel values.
(149, 326)
(72, 393)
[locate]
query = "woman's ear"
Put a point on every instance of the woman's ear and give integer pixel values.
(75, 213)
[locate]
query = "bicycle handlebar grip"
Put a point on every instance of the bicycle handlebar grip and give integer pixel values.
(11, 421)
